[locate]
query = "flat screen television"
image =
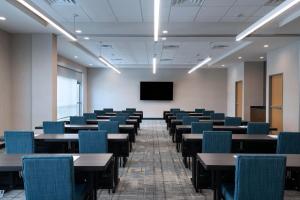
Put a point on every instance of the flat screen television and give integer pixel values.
(156, 91)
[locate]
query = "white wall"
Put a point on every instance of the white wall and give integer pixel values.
(203, 88)
(235, 73)
(5, 79)
(286, 61)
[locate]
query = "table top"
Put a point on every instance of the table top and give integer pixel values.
(85, 162)
(223, 161)
(254, 137)
(216, 127)
(75, 137)
(107, 120)
(94, 126)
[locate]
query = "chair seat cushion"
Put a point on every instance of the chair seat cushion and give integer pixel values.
(227, 191)
(81, 191)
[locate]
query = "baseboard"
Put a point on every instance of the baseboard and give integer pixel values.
(152, 118)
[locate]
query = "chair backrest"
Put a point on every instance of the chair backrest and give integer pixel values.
(216, 142)
(123, 114)
(199, 127)
(93, 142)
(259, 177)
(131, 109)
(19, 142)
(108, 110)
(208, 112)
(48, 177)
(233, 121)
(217, 116)
(180, 115)
(88, 116)
(120, 119)
(258, 128)
(109, 126)
(77, 120)
(99, 112)
(199, 110)
(288, 143)
(174, 110)
(53, 127)
(187, 120)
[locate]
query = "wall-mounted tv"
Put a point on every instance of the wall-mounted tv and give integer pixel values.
(156, 91)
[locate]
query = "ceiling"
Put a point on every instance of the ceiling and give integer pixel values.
(122, 30)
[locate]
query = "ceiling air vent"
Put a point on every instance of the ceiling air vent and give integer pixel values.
(188, 3)
(166, 59)
(106, 46)
(61, 2)
(273, 2)
(171, 46)
(117, 59)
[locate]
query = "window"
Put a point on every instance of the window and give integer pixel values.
(68, 93)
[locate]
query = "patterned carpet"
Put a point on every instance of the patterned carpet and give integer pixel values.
(154, 171)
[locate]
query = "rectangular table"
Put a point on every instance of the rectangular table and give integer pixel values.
(128, 121)
(198, 115)
(185, 129)
(89, 163)
(218, 163)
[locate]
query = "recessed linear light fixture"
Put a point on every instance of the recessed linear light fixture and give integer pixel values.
(154, 65)
(204, 62)
(45, 18)
(267, 18)
(109, 65)
(2, 18)
(156, 19)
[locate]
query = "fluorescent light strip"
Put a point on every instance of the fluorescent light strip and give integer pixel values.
(156, 19)
(267, 18)
(41, 15)
(204, 62)
(109, 65)
(154, 65)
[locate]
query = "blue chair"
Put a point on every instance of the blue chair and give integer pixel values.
(131, 109)
(180, 115)
(108, 110)
(123, 114)
(174, 110)
(216, 142)
(77, 120)
(257, 177)
(19, 142)
(288, 143)
(258, 128)
(88, 116)
(208, 113)
(199, 127)
(93, 142)
(199, 110)
(233, 121)
(99, 112)
(187, 120)
(53, 127)
(51, 177)
(109, 126)
(217, 116)
(120, 119)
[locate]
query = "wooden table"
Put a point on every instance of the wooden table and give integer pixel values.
(241, 143)
(89, 163)
(123, 128)
(134, 122)
(185, 129)
(198, 115)
(218, 163)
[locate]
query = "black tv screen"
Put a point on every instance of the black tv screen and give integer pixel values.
(156, 91)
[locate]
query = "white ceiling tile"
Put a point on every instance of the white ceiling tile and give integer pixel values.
(183, 14)
(233, 19)
(98, 10)
(208, 19)
(127, 11)
(245, 11)
(263, 11)
(68, 12)
(213, 11)
(218, 2)
(250, 2)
